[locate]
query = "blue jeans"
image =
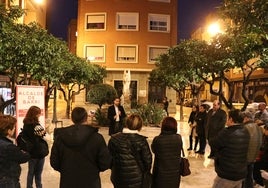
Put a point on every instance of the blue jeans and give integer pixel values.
(35, 168)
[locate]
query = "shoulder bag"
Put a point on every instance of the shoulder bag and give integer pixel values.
(185, 165)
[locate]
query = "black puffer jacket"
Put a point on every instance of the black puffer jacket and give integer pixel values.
(36, 140)
(79, 153)
(200, 123)
(126, 172)
(166, 170)
(231, 152)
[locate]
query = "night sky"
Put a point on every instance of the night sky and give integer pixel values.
(191, 15)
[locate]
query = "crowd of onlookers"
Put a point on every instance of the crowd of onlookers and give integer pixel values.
(238, 145)
(235, 140)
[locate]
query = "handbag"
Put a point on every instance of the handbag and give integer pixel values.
(184, 165)
(43, 148)
(24, 142)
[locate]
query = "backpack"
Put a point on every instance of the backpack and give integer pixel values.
(23, 142)
(43, 148)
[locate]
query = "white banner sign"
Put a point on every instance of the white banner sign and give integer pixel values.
(28, 96)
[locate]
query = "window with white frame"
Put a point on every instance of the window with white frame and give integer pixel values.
(126, 53)
(155, 51)
(165, 1)
(159, 22)
(127, 21)
(95, 52)
(96, 21)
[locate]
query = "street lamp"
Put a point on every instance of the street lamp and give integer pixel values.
(39, 1)
(214, 29)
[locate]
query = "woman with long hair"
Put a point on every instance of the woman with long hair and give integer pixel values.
(35, 133)
(192, 124)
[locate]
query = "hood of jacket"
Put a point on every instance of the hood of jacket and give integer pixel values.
(75, 135)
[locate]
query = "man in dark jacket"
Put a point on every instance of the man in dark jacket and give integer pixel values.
(79, 153)
(200, 128)
(216, 119)
(116, 115)
(231, 148)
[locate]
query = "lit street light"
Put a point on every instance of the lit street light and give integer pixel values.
(214, 29)
(39, 1)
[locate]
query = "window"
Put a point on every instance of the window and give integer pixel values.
(127, 21)
(126, 53)
(95, 53)
(156, 92)
(96, 21)
(165, 1)
(159, 22)
(155, 51)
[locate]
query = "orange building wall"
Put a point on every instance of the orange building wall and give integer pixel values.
(111, 36)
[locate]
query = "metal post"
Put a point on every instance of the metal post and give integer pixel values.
(54, 119)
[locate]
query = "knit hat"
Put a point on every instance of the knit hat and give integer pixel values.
(247, 114)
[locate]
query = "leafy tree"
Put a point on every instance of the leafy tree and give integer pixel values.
(175, 69)
(49, 61)
(101, 94)
(27, 52)
(244, 46)
(7, 18)
(77, 76)
(215, 67)
(247, 36)
(29, 55)
(166, 74)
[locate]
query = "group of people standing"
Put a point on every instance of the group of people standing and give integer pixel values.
(205, 126)
(197, 120)
(11, 156)
(235, 143)
(239, 147)
(80, 153)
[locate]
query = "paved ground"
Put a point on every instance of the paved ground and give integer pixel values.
(202, 168)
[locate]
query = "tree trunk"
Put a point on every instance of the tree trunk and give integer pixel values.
(181, 112)
(68, 109)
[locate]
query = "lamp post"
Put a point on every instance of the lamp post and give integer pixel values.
(54, 119)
